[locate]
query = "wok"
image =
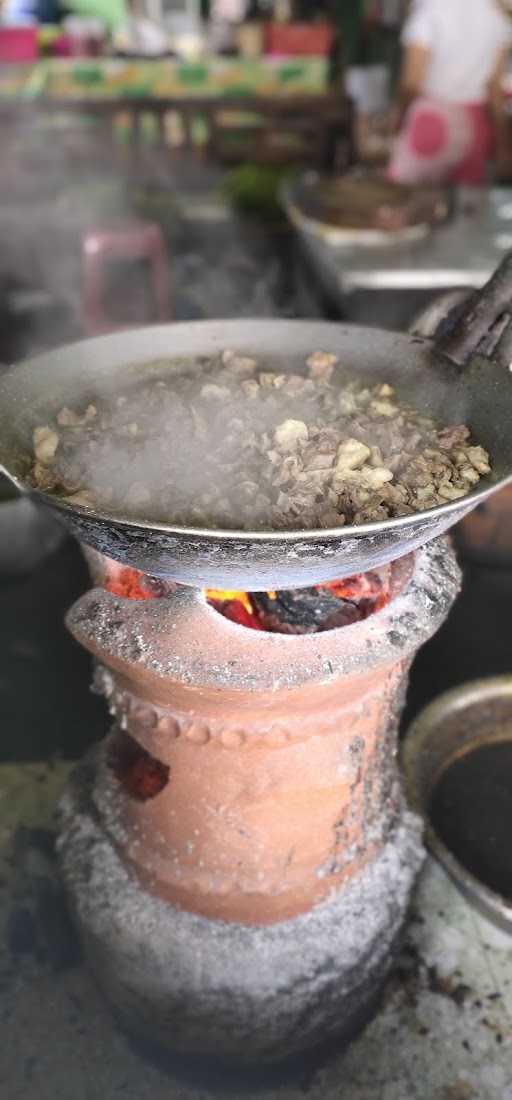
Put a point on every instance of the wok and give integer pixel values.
(462, 377)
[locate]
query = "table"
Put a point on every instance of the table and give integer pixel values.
(119, 78)
(268, 109)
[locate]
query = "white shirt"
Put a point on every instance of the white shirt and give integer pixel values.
(464, 38)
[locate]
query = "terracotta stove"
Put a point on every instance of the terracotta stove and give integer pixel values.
(237, 852)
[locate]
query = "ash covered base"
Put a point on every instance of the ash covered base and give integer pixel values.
(236, 993)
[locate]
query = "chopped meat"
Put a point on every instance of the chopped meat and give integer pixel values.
(289, 435)
(321, 365)
(479, 459)
(351, 454)
(46, 441)
(235, 442)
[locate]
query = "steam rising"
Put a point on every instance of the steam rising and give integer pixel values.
(234, 442)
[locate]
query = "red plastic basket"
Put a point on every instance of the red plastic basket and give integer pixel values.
(298, 39)
(18, 44)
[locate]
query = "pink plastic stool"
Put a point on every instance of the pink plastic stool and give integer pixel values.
(18, 44)
(134, 241)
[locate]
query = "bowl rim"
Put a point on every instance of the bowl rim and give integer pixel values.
(415, 745)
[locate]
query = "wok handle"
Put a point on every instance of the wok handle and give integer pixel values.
(481, 324)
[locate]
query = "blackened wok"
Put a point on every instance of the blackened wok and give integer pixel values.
(462, 378)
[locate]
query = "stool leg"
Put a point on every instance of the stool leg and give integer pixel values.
(160, 278)
(94, 319)
(162, 288)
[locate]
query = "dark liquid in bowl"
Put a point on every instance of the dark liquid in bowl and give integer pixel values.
(471, 811)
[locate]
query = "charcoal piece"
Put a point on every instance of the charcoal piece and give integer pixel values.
(303, 610)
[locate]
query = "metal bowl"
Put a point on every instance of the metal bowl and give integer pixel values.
(296, 195)
(457, 722)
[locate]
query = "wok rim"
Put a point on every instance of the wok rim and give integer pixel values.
(315, 534)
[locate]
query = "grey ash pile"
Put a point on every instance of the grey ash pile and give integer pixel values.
(231, 443)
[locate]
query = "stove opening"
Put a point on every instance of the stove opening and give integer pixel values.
(306, 610)
(141, 775)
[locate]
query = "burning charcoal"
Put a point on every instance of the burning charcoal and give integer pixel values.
(303, 609)
(326, 607)
(46, 441)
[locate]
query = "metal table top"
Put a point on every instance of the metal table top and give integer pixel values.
(463, 252)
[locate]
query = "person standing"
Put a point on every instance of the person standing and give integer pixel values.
(450, 98)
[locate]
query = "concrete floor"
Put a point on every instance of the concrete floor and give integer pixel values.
(443, 1030)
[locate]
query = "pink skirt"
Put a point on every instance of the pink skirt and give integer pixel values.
(443, 143)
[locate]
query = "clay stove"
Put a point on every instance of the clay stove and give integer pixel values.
(237, 852)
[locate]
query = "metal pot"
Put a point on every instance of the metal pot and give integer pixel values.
(469, 717)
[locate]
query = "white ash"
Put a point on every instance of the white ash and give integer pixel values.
(248, 993)
(233, 442)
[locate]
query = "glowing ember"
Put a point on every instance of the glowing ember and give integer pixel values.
(364, 586)
(297, 611)
(129, 583)
(142, 775)
(219, 595)
(303, 611)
